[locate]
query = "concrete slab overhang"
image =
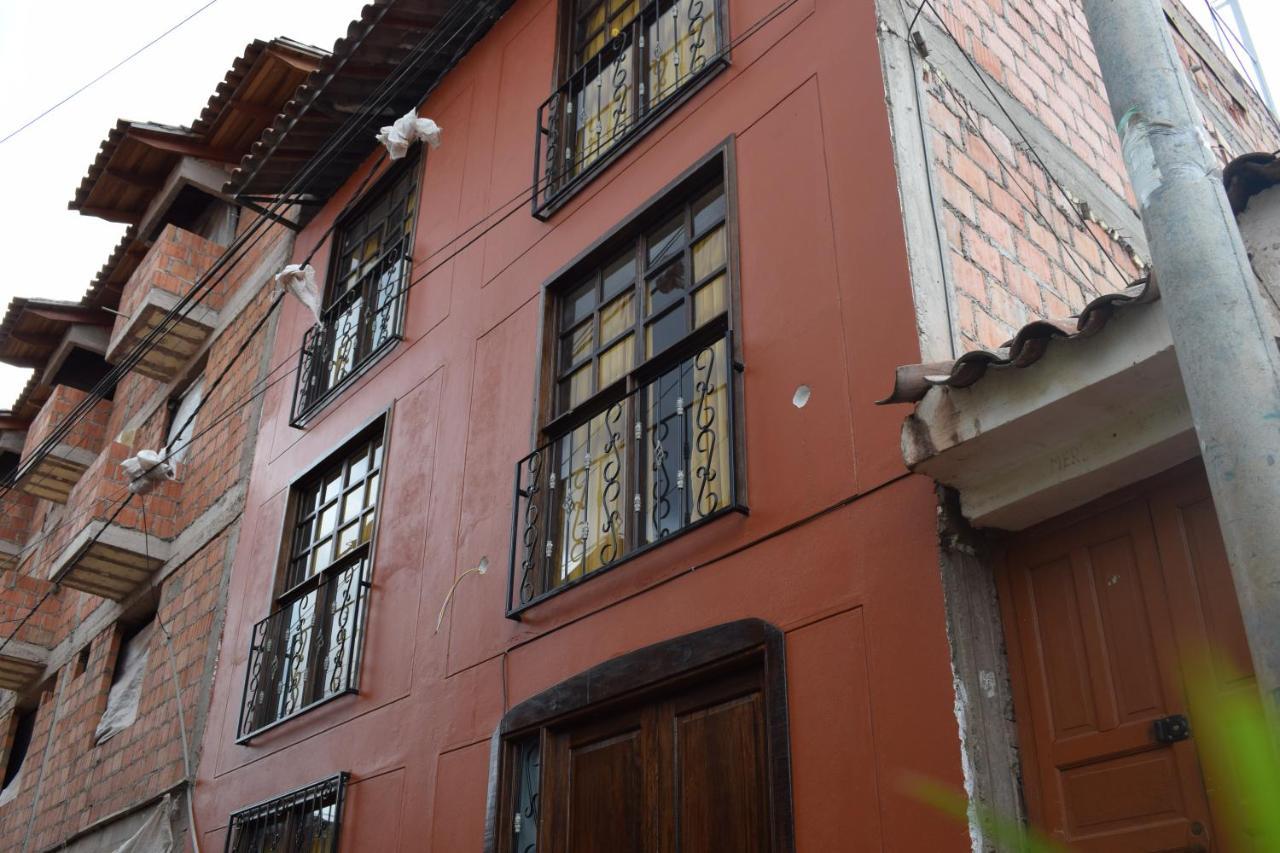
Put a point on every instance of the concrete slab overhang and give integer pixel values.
(112, 562)
(56, 473)
(21, 665)
(1088, 417)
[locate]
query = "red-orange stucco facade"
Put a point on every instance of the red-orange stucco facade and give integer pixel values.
(838, 549)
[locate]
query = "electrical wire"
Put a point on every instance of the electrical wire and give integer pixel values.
(519, 201)
(177, 691)
(109, 71)
(331, 146)
(372, 105)
(1031, 149)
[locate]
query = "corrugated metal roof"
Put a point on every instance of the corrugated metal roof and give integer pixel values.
(377, 44)
(913, 381)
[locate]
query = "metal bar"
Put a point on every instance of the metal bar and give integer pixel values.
(1217, 318)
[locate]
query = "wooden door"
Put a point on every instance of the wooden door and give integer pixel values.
(1100, 608)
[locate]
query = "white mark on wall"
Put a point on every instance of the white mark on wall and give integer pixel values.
(987, 681)
(801, 398)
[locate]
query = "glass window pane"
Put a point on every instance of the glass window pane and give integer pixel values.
(377, 454)
(321, 556)
(710, 301)
(575, 389)
(576, 346)
(666, 287)
(327, 521)
(372, 486)
(359, 465)
(353, 503)
(709, 254)
(616, 317)
(619, 275)
(333, 485)
(616, 361)
(664, 332)
(348, 538)
(665, 240)
(709, 210)
(578, 304)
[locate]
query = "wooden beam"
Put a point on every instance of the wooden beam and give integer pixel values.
(183, 145)
(12, 422)
(142, 182)
(110, 214)
(257, 111)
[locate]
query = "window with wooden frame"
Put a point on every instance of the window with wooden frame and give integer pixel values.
(365, 292)
(681, 746)
(638, 395)
(308, 650)
(624, 64)
(303, 821)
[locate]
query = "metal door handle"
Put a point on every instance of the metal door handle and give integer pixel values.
(1171, 729)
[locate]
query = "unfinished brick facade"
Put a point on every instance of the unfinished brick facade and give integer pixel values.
(141, 578)
(1021, 239)
(68, 784)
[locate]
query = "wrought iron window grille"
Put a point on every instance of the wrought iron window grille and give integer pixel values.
(307, 652)
(648, 68)
(356, 330)
(307, 820)
(627, 472)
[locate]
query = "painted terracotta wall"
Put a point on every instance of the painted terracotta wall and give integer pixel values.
(838, 549)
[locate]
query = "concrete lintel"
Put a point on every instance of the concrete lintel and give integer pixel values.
(74, 455)
(113, 536)
(28, 652)
(80, 336)
(12, 441)
(164, 301)
(1025, 444)
(190, 171)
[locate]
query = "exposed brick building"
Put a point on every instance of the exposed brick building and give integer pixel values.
(92, 743)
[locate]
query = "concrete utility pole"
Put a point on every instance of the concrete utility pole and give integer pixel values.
(1230, 363)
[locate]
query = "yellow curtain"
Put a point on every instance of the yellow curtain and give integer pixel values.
(683, 40)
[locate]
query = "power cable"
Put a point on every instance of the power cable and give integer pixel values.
(519, 200)
(201, 288)
(261, 323)
(104, 74)
(1031, 149)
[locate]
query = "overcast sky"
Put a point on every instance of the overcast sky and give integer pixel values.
(48, 50)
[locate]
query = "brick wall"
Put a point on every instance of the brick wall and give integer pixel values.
(88, 434)
(174, 263)
(82, 782)
(1018, 243)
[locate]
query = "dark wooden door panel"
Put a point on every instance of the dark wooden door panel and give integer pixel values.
(602, 776)
(721, 780)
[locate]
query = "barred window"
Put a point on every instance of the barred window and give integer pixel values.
(638, 420)
(365, 294)
(308, 649)
(624, 63)
(303, 821)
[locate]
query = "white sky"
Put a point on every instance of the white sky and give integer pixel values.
(48, 50)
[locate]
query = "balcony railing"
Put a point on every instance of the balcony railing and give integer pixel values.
(308, 651)
(361, 325)
(655, 462)
(646, 69)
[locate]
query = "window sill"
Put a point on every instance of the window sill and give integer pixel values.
(308, 415)
(738, 509)
(544, 207)
(244, 740)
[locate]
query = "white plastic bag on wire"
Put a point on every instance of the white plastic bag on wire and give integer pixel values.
(126, 690)
(407, 130)
(156, 833)
(300, 280)
(147, 470)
